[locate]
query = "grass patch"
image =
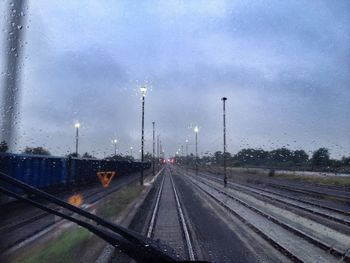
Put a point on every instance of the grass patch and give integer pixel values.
(256, 173)
(332, 181)
(65, 249)
(76, 244)
(113, 205)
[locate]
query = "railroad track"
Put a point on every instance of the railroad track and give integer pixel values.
(342, 196)
(168, 223)
(299, 238)
(333, 192)
(23, 231)
(331, 213)
(321, 198)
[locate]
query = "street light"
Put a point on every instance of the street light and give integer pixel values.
(114, 141)
(77, 126)
(154, 151)
(158, 152)
(224, 123)
(186, 147)
(131, 148)
(196, 130)
(143, 90)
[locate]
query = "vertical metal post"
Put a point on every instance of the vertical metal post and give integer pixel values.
(158, 166)
(76, 140)
(224, 122)
(160, 149)
(142, 137)
(186, 148)
(196, 153)
(115, 149)
(154, 151)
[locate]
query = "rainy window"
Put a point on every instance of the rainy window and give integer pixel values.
(211, 131)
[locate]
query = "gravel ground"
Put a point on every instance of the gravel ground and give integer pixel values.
(217, 236)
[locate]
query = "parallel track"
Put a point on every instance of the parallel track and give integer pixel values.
(182, 220)
(331, 213)
(332, 192)
(277, 230)
(92, 197)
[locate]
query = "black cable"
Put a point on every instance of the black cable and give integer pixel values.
(151, 252)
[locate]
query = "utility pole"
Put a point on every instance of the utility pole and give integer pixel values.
(196, 130)
(77, 126)
(161, 149)
(186, 147)
(114, 141)
(143, 90)
(153, 156)
(224, 119)
(158, 152)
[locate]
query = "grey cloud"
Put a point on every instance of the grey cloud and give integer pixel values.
(283, 65)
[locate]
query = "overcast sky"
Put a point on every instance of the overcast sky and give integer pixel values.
(283, 65)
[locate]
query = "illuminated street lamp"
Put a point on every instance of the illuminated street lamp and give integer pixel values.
(186, 147)
(114, 141)
(131, 148)
(196, 130)
(77, 126)
(143, 90)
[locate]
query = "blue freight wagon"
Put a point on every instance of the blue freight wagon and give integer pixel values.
(49, 172)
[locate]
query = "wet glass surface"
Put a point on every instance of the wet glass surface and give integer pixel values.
(219, 129)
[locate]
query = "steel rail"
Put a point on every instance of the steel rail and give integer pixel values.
(155, 210)
(183, 222)
(143, 249)
(39, 216)
(265, 193)
(313, 240)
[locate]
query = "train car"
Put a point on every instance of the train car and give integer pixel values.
(40, 171)
(56, 173)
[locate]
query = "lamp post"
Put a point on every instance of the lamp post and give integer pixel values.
(131, 148)
(224, 123)
(186, 147)
(77, 126)
(143, 90)
(160, 149)
(196, 130)
(158, 152)
(154, 151)
(114, 141)
(186, 160)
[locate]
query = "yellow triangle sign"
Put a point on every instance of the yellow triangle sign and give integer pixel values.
(105, 178)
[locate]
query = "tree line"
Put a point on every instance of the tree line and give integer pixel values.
(279, 158)
(42, 151)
